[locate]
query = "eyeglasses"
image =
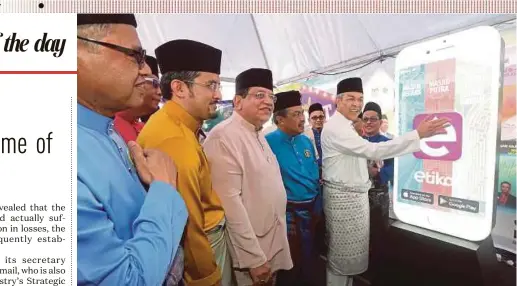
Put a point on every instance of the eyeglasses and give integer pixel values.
(138, 55)
(371, 119)
(155, 82)
(213, 86)
(321, 117)
(262, 95)
(297, 114)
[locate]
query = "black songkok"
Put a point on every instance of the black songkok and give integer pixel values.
(92, 19)
(315, 107)
(153, 64)
(372, 106)
(254, 78)
(353, 84)
(287, 99)
(188, 55)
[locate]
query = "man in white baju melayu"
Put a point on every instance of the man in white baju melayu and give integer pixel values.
(346, 180)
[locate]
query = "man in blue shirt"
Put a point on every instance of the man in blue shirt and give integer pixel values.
(299, 168)
(381, 175)
(317, 119)
(372, 119)
(126, 235)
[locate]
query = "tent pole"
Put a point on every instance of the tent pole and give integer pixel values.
(259, 40)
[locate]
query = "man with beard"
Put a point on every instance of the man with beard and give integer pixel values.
(346, 180)
(372, 123)
(299, 168)
(190, 78)
(128, 122)
(247, 178)
(381, 175)
(125, 234)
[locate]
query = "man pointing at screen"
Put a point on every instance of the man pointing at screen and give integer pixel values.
(346, 180)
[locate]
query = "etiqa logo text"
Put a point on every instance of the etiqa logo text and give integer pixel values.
(443, 147)
(433, 178)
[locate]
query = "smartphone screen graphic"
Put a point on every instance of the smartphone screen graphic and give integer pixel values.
(439, 98)
(425, 178)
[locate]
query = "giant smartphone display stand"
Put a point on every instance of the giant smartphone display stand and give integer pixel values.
(444, 195)
(449, 185)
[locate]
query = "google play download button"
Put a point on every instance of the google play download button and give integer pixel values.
(458, 204)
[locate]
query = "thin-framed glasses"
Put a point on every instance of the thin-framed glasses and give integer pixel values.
(138, 55)
(297, 114)
(261, 95)
(321, 117)
(154, 82)
(371, 119)
(213, 86)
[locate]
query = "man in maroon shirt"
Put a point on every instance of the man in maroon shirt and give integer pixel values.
(127, 122)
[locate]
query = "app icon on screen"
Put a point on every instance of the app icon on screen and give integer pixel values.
(443, 147)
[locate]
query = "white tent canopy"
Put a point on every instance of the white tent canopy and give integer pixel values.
(294, 45)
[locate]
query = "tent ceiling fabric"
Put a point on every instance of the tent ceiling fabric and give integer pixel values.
(295, 44)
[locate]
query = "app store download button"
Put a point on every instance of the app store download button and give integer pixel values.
(419, 197)
(458, 204)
